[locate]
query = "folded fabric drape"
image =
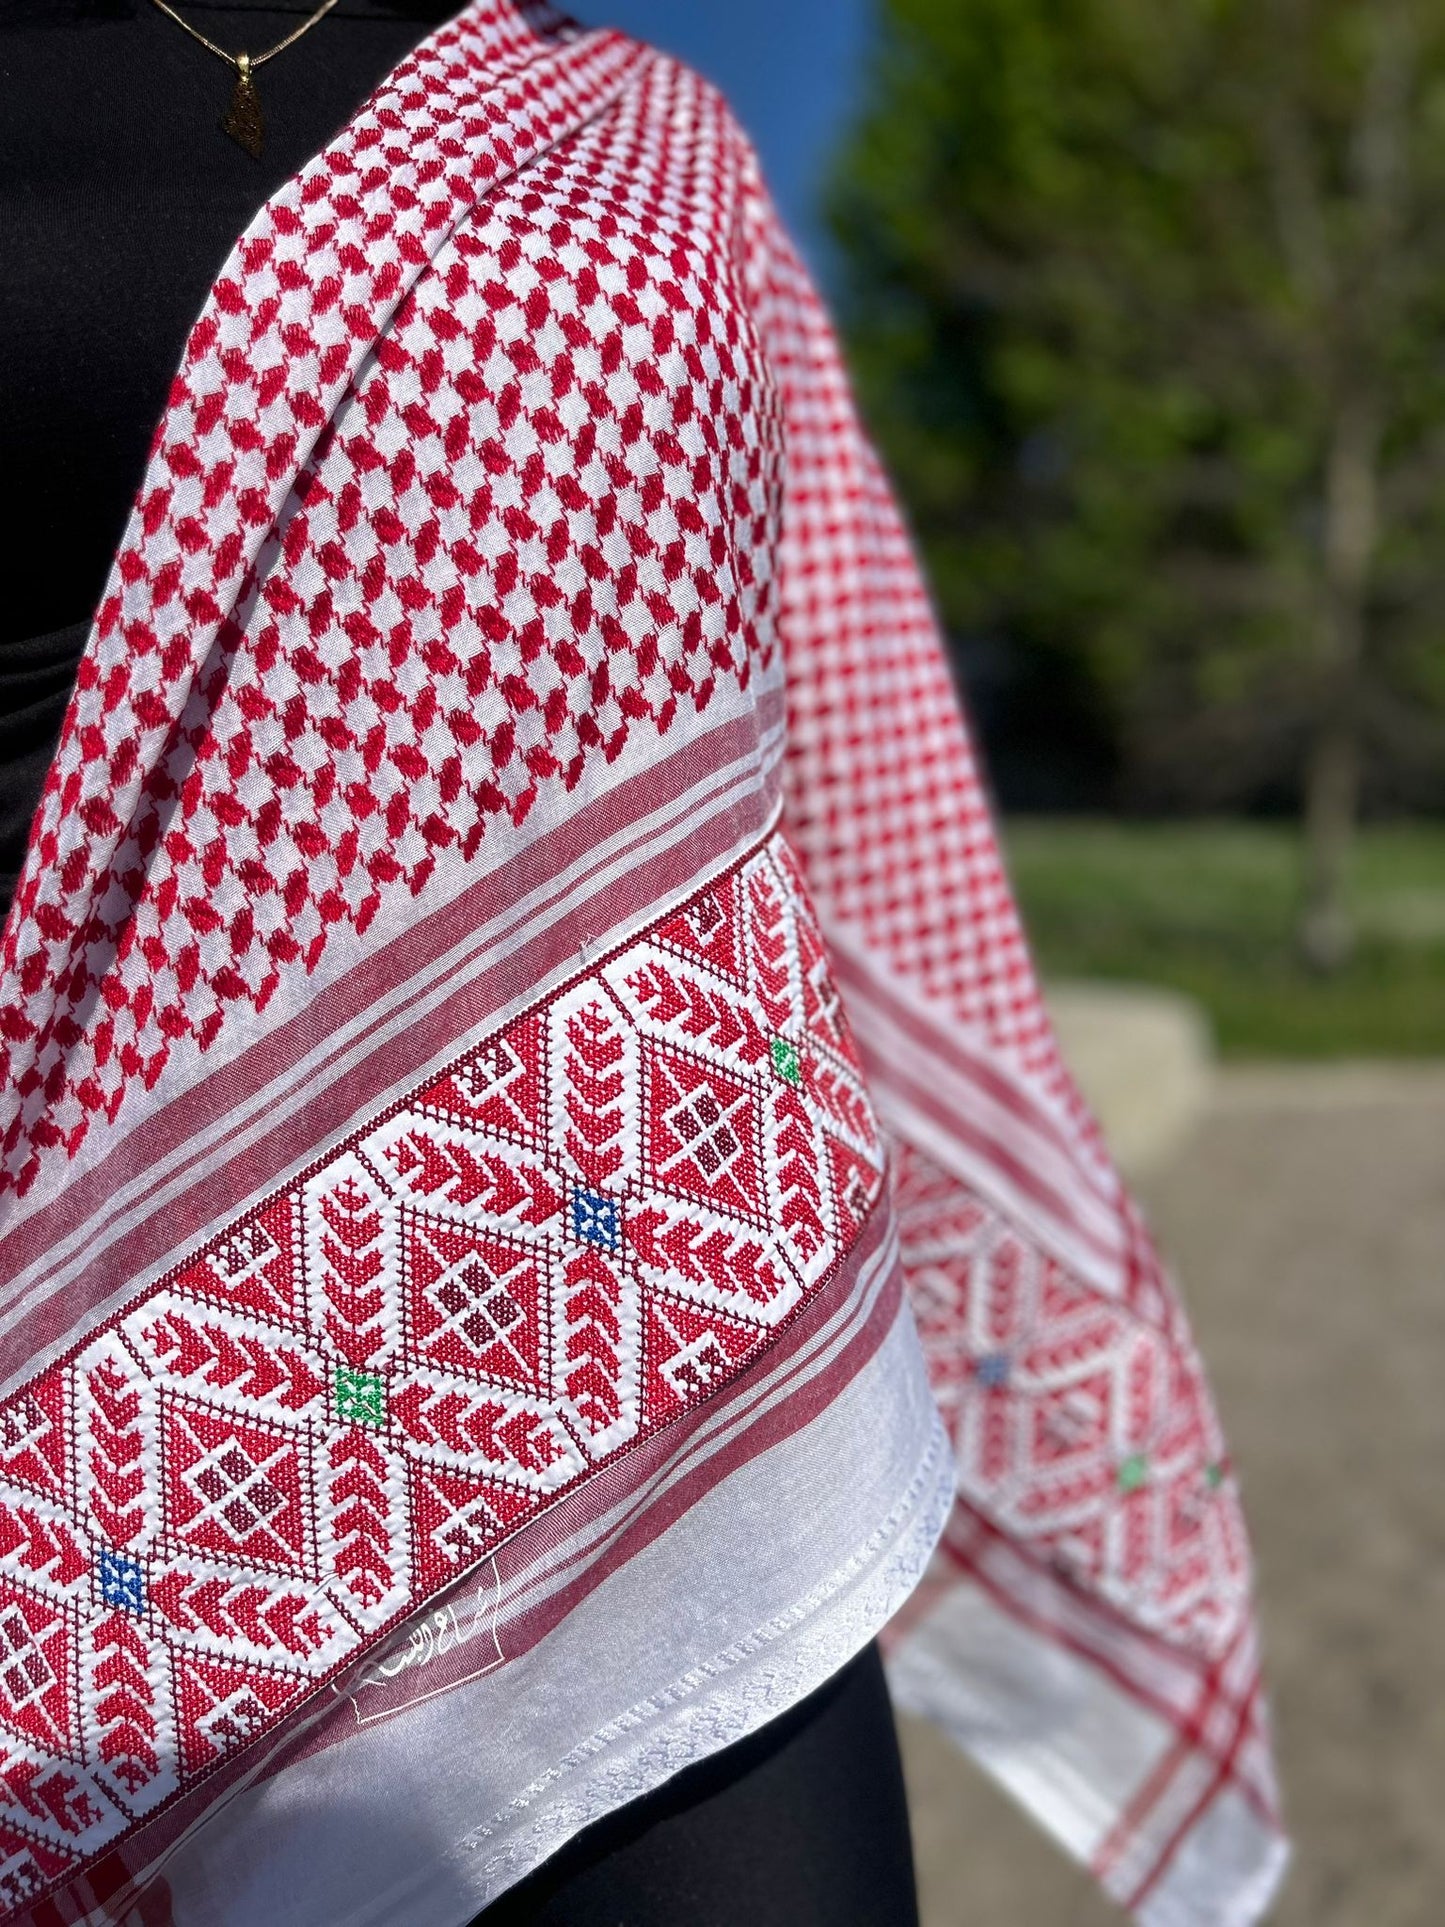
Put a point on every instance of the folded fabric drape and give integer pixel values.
(514, 1025)
(36, 678)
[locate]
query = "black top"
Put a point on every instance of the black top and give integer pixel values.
(119, 200)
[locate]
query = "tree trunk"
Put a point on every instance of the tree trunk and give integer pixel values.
(1377, 166)
(1332, 767)
(1331, 804)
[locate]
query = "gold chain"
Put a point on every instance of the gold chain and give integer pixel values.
(243, 119)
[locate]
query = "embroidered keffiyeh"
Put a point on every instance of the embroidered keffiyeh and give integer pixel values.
(513, 1026)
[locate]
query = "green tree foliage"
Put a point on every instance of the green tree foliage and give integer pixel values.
(1145, 303)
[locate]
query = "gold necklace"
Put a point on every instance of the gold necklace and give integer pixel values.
(243, 117)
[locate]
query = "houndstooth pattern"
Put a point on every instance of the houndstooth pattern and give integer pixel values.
(369, 608)
(887, 806)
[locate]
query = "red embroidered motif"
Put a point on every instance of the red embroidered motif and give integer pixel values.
(1082, 1428)
(587, 1223)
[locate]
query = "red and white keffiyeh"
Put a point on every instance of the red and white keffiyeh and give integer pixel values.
(460, 1272)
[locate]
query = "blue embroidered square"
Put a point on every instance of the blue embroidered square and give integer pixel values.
(597, 1219)
(122, 1583)
(993, 1369)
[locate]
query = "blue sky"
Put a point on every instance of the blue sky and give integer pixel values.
(789, 67)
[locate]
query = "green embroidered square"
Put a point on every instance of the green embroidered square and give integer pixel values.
(1134, 1472)
(360, 1397)
(786, 1061)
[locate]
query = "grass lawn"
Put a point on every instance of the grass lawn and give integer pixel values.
(1208, 909)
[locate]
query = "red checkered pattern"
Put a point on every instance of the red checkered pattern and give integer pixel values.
(1212, 1713)
(411, 547)
(886, 802)
(510, 457)
(1083, 1428)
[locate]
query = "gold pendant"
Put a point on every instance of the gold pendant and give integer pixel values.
(243, 117)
